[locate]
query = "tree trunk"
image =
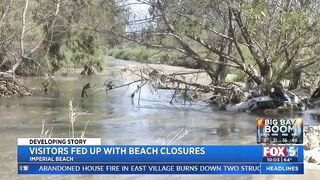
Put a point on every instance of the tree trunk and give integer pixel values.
(266, 74)
(87, 70)
(223, 70)
(296, 78)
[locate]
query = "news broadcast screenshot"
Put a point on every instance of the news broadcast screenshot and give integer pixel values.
(160, 89)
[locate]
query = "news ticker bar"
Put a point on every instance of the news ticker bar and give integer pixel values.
(215, 168)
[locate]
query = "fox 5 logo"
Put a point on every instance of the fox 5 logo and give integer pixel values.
(280, 151)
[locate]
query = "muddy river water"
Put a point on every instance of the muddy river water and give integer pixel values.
(118, 120)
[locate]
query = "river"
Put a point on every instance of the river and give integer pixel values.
(118, 120)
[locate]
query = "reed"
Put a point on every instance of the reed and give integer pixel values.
(73, 115)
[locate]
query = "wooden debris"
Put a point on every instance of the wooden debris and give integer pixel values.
(10, 86)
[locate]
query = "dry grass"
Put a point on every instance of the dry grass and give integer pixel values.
(73, 115)
(174, 136)
(72, 118)
(46, 133)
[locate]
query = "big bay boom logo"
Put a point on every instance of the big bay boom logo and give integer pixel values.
(279, 131)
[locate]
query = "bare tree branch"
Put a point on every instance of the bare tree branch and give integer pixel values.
(7, 8)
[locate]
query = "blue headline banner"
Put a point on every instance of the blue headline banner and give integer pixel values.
(255, 159)
(144, 153)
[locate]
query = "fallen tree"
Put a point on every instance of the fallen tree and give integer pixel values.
(230, 96)
(158, 79)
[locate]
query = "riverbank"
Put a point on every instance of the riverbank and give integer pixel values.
(147, 55)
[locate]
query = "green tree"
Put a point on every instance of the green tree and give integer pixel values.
(78, 48)
(39, 36)
(267, 41)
